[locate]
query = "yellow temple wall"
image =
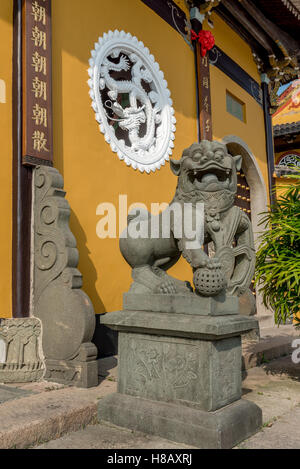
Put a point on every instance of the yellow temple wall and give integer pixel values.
(281, 184)
(252, 131)
(93, 174)
(6, 36)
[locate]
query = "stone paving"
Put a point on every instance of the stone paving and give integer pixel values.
(49, 415)
(53, 409)
(275, 387)
(7, 393)
(105, 436)
(282, 433)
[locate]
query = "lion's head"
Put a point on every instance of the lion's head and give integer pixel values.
(205, 170)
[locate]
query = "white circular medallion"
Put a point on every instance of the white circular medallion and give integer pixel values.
(131, 101)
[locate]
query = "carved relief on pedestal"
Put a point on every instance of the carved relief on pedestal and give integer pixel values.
(167, 369)
(161, 361)
(21, 361)
(200, 373)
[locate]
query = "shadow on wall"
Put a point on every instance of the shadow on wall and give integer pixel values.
(105, 339)
(86, 267)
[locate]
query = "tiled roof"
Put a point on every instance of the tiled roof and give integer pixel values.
(283, 13)
(296, 3)
(286, 129)
(293, 6)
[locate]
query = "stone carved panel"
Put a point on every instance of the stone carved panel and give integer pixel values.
(20, 356)
(131, 101)
(200, 374)
(65, 310)
(227, 373)
(162, 362)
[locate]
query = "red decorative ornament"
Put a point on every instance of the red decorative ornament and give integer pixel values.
(205, 39)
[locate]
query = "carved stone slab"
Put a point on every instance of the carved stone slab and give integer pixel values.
(20, 359)
(66, 312)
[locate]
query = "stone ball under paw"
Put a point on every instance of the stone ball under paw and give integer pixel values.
(209, 282)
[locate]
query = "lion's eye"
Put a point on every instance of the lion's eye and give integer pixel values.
(196, 156)
(219, 155)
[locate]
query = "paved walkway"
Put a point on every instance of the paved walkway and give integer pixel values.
(106, 436)
(275, 387)
(284, 433)
(48, 415)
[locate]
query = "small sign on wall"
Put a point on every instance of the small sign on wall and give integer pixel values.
(37, 83)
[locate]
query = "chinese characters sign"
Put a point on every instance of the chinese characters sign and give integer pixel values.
(37, 70)
(204, 96)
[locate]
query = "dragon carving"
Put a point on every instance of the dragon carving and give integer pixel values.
(130, 118)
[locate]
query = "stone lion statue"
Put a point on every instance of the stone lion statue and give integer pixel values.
(206, 174)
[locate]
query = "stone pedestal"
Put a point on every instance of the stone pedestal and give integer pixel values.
(180, 373)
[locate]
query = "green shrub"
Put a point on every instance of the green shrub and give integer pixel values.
(278, 259)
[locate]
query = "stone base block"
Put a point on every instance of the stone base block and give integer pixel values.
(222, 429)
(219, 305)
(13, 373)
(80, 374)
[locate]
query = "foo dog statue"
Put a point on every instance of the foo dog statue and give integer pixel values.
(206, 173)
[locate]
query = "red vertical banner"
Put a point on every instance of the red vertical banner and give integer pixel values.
(203, 73)
(37, 83)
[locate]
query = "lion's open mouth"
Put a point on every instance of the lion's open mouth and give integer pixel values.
(210, 179)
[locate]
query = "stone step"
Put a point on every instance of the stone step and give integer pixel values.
(50, 410)
(275, 342)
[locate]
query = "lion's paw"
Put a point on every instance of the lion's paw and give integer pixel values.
(167, 287)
